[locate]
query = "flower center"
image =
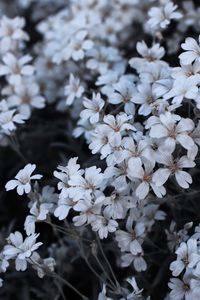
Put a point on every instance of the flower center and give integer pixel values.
(172, 134)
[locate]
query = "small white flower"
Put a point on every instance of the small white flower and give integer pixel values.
(192, 53)
(23, 179)
(166, 126)
(63, 208)
(79, 186)
(73, 90)
(89, 210)
(8, 120)
(150, 56)
(116, 127)
(102, 294)
(15, 68)
(78, 45)
(187, 257)
(183, 89)
(173, 167)
(99, 141)
(138, 261)
(160, 16)
(124, 91)
(38, 213)
(180, 289)
(145, 175)
(103, 226)
(131, 241)
(187, 72)
(20, 250)
(93, 108)
(146, 97)
(11, 32)
(26, 96)
(115, 207)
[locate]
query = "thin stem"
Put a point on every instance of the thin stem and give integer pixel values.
(107, 262)
(91, 268)
(68, 284)
(60, 289)
(116, 110)
(14, 145)
(59, 278)
(104, 271)
(64, 231)
(89, 265)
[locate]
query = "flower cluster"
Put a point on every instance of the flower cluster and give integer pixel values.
(186, 281)
(116, 84)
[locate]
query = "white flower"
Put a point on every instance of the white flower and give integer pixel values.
(116, 127)
(64, 174)
(99, 141)
(8, 120)
(43, 266)
(23, 179)
(146, 97)
(167, 127)
(192, 51)
(135, 148)
(15, 67)
(73, 90)
(183, 89)
(195, 287)
(173, 167)
(63, 208)
(187, 257)
(78, 45)
(89, 209)
(107, 80)
(45, 203)
(38, 213)
(160, 16)
(180, 289)
(11, 32)
(136, 292)
(135, 170)
(187, 72)
(138, 261)
(102, 294)
(93, 108)
(118, 174)
(101, 58)
(131, 241)
(79, 186)
(25, 96)
(158, 75)
(103, 226)
(115, 207)
(20, 250)
(124, 91)
(150, 56)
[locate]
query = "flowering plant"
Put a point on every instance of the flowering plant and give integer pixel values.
(103, 99)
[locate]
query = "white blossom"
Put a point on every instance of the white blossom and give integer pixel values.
(173, 167)
(73, 90)
(160, 16)
(192, 53)
(20, 249)
(15, 68)
(23, 179)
